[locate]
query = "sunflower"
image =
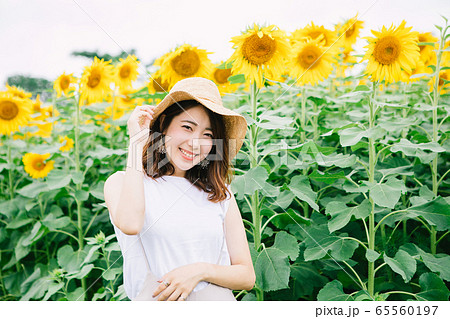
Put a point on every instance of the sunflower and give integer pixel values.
(314, 31)
(17, 92)
(36, 166)
(260, 52)
(95, 81)
(156, 84)
(184, 62)
(391, 51)
(427, 54)
(37, 104)
(419, 69)
(310, 62)
(67, 143)
(352, 28)
(126, 72)
(14, 113)
(125, 102)
(220, 77)
(444, 84)
(65, 83)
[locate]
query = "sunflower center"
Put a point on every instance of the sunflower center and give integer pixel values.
(38, 165)
(186, 64)
(387, 50)
(221, 75)
(309, 57)
(350, 31)
(94, 79)
(8, 110)
(125, 72)
(65, 82)
(259, 50)
(160, 87)
(442, 77)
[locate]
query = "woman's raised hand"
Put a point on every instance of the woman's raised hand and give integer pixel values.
(139, 120)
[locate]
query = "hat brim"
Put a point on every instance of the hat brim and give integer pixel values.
(235, 124)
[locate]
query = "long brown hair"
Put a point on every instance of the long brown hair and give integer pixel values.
(211, 179)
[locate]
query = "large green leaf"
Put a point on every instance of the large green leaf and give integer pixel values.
(57, 179)
(341, 214)
(352, 135)
(272, 269)
(326, 177)
(387, 194)
(418, 150)
(287, 244)
(254, 179)
(32, 190)
(433, 288)
(340, 248)
(333, 291)
(339, 160)
(306, 277)
(301, 188)
(435, 212)
(403, 264)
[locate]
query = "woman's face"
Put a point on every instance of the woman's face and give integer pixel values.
(188, 139)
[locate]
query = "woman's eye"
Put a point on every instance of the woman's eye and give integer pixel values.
(210, 135)
(186, 126)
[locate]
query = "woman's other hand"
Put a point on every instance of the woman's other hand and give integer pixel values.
(182, 281)
(140, 120)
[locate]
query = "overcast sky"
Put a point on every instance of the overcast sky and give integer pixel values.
(37, 36)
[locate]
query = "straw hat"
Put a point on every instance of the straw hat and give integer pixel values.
(206, 93)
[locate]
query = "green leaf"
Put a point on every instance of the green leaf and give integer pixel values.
(418, 150)
(287, 244)
(284, 199)
(372, 255)
(52, 222)
(341, 249)
(53, 288)
(301, 188)
(33, 190)
(97, 191)
(102, 152)
(403, 264)
(69, 260)
(352, 135)
(326, 177)
(436, 264)
(225, 65)
(238, 78)
(76, 295)
(341, 214)
(433, 288)
(306, 273)
(387, 194)
(435, 212)
(282, 220)
(58, 179)
(272, 269)
(81, 195)
(36, 232)
(84, 271)
(78, 177)
(333, 291)
(339, 160)
(111, 273)
(254, 179)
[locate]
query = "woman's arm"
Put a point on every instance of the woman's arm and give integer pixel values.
(241, 274)
(124, 193)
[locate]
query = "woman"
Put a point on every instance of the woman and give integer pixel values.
(173, 211)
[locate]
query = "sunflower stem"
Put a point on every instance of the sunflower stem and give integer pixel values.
(372, 164)
(79, 186)
(112, 119)
(255, 205)
(303, 116)
(10, 173)
(434, 165)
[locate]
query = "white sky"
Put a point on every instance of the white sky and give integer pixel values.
(37, 36)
